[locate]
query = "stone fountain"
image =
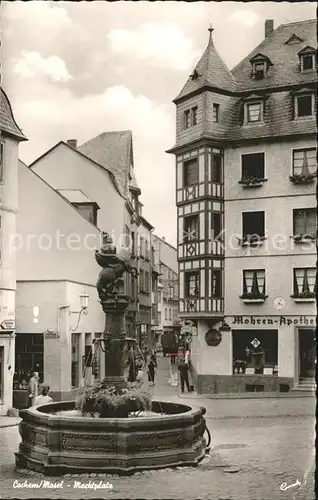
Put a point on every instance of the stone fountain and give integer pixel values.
(55, 445)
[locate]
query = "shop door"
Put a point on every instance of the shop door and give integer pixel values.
(307, 353)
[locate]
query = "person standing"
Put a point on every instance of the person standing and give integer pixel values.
(184, 374)
(33, 388)
(151, 365)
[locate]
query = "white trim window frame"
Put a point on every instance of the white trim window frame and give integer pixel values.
(312, 106)
(253, 112)
(305, 282)
(307, 56)
(303, 160)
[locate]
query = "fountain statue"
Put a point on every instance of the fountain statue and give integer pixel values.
(104, 429)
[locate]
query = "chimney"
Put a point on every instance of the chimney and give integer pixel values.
(269, 27)
(72, 143)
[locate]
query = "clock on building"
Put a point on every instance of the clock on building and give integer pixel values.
(279, 303)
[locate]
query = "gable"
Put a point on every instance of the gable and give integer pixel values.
(52, 234)
(293, 39)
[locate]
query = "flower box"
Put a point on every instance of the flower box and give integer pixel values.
(304, 297)
(302, 179)
(303, 238)
(251, 298)
(251, 241)
(252, 182)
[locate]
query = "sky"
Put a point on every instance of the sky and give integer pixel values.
(74, 70)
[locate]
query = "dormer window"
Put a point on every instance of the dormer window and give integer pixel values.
(304, 103)
(260, 66)
(254, 112)
(307, 58)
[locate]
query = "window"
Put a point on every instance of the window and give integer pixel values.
(141, 251)
(253, 166)
(307, 62)
(170, 314)
(88, 210)
(254, 112)
(146, 281)
(259, 70)
(245, 352)
(133, 248)
(253, 283)
(216, 168)
(191, 228)
(190, 172)
(215, 112)
(192, 288)
(171, 292)
(75, 359)
(166, 313)
(305, 161)
(1, 161)
(304, 105)
(147, 250)
(253, 225)
(194, 117)
(305, 282)
(305, 222)
(216, 224)
(216, 283)
(186, 119)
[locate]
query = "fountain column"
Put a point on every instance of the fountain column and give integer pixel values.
(114, 339)
(114, 301)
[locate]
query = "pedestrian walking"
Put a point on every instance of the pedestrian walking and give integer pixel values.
(44, 397)
(33, 388)
(151, 365)
(184, 374)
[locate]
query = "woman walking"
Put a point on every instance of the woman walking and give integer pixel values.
(151, 365)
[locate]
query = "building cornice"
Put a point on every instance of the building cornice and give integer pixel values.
(244, 92)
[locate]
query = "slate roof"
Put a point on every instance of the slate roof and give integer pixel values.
(277, 88)
(7, 121)
(113, 151)
(211, 70)
(285, 59)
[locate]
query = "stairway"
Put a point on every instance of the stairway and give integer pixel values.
(306, 385)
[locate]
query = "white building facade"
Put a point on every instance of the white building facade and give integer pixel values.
(245, 184)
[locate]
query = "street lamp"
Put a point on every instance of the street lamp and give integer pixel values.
(84, 306)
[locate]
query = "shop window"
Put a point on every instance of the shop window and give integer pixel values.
(75, 360)
(253, 166)
(304, 162)
(190, 172)
(253, 226)
(254, 350)
(305, 223)
(305, 283)
(216, 168)
(215, 112)
(216, 283)
(191, 228)
(192, 284)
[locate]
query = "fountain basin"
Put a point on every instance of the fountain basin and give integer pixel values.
(56, 445)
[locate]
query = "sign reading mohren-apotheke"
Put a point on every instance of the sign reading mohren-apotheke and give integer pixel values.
(274, 320)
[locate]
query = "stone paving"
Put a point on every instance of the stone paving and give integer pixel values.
(251, 458)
